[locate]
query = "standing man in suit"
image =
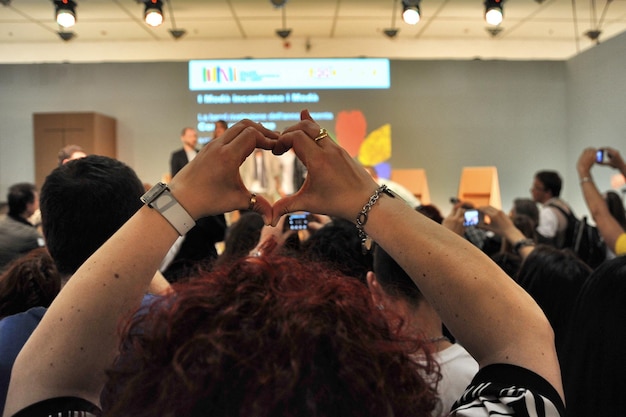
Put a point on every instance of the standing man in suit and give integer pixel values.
(198, 245)
(189, 138)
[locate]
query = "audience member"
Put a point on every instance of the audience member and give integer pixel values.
(274, 336)
(502, 225)
(29, 281)
(337, 244)
(17, 235)
(525, 207)
(430, 211)
(241, 237)
(83, 202)
(220, 128)
(401, 301)
(399, 189)
(553, 277)
(70, 152)
(592, 356)
(198, 246)
(609, 227)
(616, 207)
(552, 226)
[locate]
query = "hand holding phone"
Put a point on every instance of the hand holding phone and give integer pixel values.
(471, 217)
(298, 221)
(603, 156)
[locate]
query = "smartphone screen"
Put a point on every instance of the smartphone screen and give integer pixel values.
(472, 217)
(602, 156)
(299, 221)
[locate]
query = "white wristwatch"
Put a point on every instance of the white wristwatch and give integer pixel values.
(160, 199)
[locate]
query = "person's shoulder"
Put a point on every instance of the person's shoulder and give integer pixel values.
(518, 390)
(26, 319)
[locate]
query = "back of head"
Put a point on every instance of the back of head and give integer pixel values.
(616, 207)
(19, 196)
(338, 245)
(592, 359)
(66, 153)
(266, 336)
(553, 277)
(242, 236)
(430, 211)
(29, 281)
(551, 181)
(526, 207)
(394, 280)
(83, 202)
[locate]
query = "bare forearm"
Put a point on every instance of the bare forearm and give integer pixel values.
(474, 296)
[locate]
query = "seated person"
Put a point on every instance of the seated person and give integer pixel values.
(313, 349)
(396, 294)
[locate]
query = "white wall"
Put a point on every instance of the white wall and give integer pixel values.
(519, 116)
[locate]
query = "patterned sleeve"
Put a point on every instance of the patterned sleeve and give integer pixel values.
(508, 390)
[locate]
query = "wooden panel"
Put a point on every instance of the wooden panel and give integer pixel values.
(480, 186)
(95, 133)
(415, 181)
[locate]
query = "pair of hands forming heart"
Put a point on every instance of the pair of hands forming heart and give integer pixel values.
(336, 185)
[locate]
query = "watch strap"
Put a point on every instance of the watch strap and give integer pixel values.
(162, 200)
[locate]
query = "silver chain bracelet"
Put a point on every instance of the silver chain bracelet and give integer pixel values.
(361, 218)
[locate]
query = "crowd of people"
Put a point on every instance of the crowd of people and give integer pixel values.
(374, 307)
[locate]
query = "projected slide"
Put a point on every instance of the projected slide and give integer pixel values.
(346, 96)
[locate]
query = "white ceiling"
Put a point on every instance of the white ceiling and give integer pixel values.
(113, 30)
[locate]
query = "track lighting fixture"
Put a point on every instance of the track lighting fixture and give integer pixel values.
(411, 11)
(153, 14)
(493, 12)
(65, 12)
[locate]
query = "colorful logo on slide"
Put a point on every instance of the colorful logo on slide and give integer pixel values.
(219, 74)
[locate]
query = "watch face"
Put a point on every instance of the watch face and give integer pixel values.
(153, 193)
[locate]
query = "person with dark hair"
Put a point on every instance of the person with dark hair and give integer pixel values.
(553, 277)
(553, 221)
(337, 244)
(401, 301)
(83, 202)
(613, 233)
(592, 353)
(17, 235)
(616, 207)
(31, 280)
(430, 211)
(525, 207)
(241, 237)
(70, 152)
(270, 336)
(220, 128)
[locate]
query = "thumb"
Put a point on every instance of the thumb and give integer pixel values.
(285, 205)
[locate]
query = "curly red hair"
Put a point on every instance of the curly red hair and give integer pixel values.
(267, 336)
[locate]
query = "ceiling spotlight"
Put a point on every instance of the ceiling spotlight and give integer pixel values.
(493, 12)
(65, 12)
(411, 11)
(66, 36)
(153, 14)
(391, 33)
(177, 33)
(278, 3)
(283, 33)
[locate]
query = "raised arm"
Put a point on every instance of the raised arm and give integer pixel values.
(496, 320)
(608, 227)
(77, 338)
